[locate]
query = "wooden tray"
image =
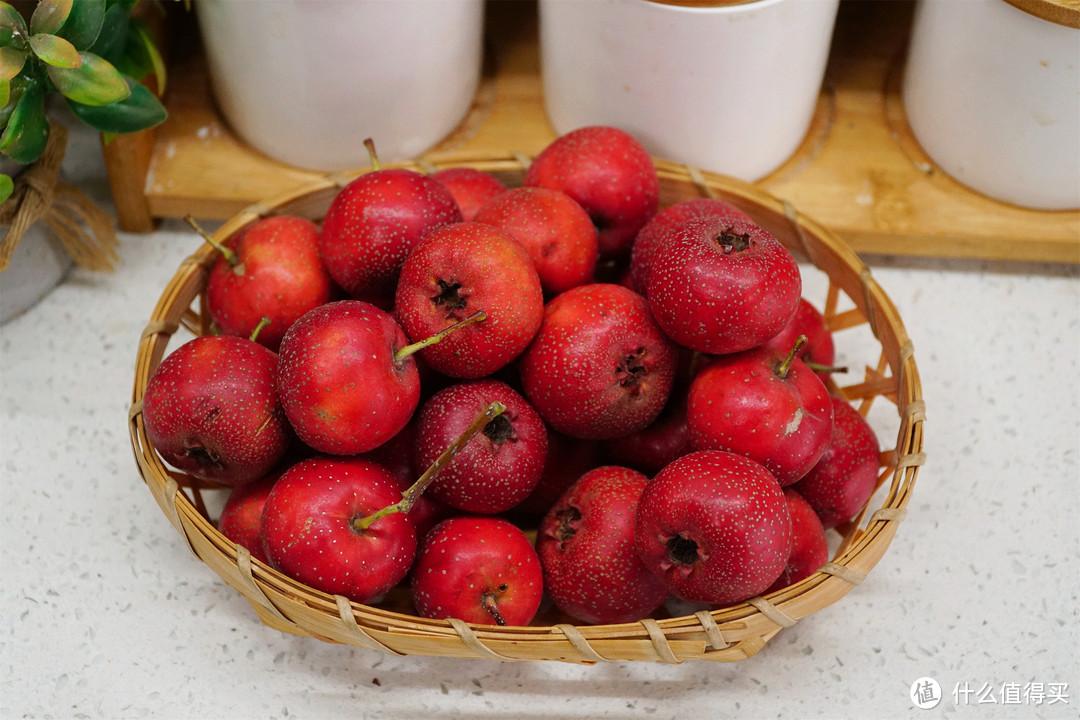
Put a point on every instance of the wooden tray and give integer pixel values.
(859, 172)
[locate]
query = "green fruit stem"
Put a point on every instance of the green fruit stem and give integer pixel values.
(408, 350)
(263, 322)
(229, 255)
(413, 493)
(785, 367)
(819, 368)
(370, 145)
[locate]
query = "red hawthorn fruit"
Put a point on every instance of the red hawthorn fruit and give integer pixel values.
(714, 527)
(567, 459)
(819, 348)
(608, 172)
(765, 405)
(586, 546)
(312, 528)
(375, 221)
(342, 385)
(650, 236)
(500, 466)
(239, 520)
(212, 409)
(456, 271)
(599, 367)
(722, 286)
(844, 478)
(398, 455)
(482, 570)
(470, 187)
(810, 548)
(556, 231)
(270, 269)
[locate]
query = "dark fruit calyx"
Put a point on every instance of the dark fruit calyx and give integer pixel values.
(500, 430)
(450, 298)
(204, 456)
(631, 371)
(733, 242)
(682, 550)
(683, 554)
(567, 525)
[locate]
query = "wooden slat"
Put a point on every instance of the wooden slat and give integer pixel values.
(859, 172)
(862, 174)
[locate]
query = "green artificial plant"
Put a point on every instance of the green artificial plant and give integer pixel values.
(91, 52)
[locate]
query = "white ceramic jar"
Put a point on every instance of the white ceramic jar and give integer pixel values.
(306, 81)
(992, 93)
(728, 87)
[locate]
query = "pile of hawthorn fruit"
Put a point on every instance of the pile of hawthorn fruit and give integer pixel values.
(394, 396)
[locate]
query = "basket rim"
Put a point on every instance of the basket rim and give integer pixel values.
(727, 633)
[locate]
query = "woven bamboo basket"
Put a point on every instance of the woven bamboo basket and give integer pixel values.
(725, 634)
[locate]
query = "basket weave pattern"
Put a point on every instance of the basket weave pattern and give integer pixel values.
(726, 634)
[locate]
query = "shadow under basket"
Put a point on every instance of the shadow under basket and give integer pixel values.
(853, 300)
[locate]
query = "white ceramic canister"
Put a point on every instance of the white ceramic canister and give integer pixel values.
(728, 87)
(992, 93)
(306, 81)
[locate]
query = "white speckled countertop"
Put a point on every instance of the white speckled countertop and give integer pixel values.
(107, 615)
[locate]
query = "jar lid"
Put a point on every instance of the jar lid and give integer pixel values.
(1059, 12)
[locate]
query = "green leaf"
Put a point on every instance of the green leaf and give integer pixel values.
(84, 23)
(49, 16)
(15, 91)
(144, 55)
(5, 91)
(127, 5)
(138, 111)
(27, 130)
(7, 186)
(95, 82)
(55, 51)
(11, 62)
(113, 36)
(10, 19)
(8, 38)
